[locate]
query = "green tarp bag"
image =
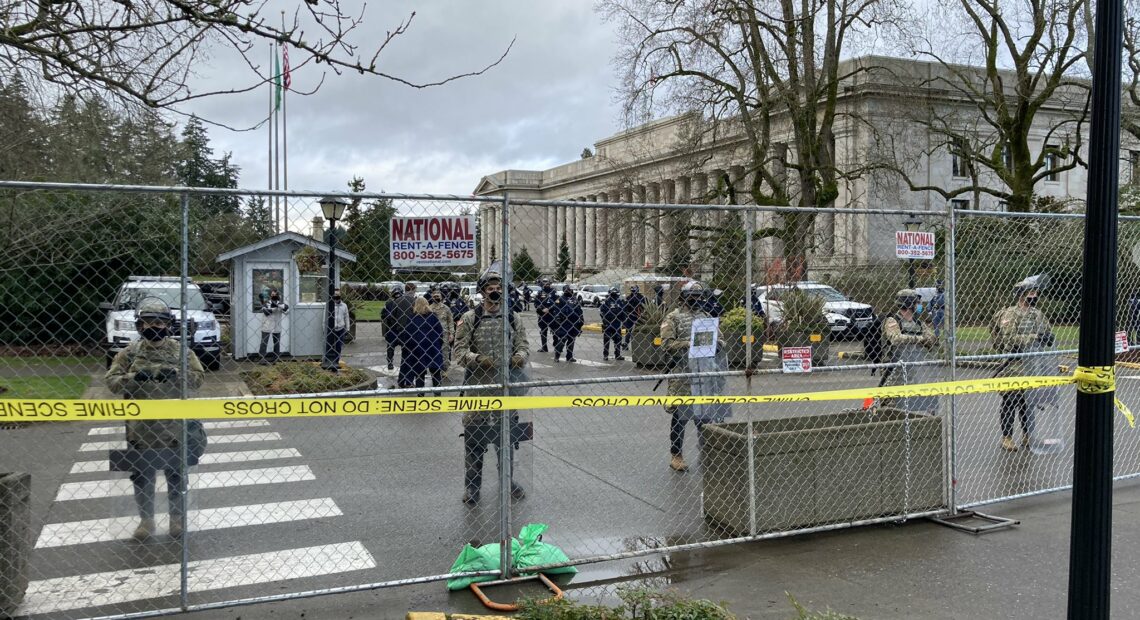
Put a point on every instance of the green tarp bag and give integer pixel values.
(526, 551)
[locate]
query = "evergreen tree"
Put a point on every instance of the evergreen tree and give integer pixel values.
(367, 234)
(196, 167)
(563, 261)
(259, 217)
(523, 266)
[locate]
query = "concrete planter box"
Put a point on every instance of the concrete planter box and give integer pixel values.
(644, 353)
(815, 470)
(737, 352)
(15, 539)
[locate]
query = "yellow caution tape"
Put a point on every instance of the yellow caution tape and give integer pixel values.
(1101, 380)
(61, 410)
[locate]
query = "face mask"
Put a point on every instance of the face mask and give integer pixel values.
(437, 299)
(336, 299)
(154, 334)
(1031, 301)
(495, 295)
(918, 309)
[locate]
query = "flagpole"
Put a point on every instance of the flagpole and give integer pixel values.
(269, 152)
(283, 205)
(285, 117)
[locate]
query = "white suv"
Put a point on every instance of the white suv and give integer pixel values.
(845, 317)
(204, 329)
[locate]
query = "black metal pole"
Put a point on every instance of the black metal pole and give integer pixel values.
(330, 361)
(1090, 543)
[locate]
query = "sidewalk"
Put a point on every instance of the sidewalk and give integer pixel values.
(890, 572)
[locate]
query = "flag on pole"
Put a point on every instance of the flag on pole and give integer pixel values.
(285, 56)
(277, 82)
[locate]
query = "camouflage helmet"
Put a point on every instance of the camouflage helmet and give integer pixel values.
(487, 279)
(908, 298)
(154, 309)
(693, 292)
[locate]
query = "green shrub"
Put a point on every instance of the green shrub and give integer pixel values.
(636, 604)
(737, 320)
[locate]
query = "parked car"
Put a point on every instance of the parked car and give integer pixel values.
(205, 333)
(846, 318)
(217, 293)
(593, 294)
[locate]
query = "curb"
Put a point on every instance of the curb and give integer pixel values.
(439, 615)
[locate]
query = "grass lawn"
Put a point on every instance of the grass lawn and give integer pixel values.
(981, 333)
(368, 310)
(19, 362)
(44, 387)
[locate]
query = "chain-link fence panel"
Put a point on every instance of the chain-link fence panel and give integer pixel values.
(1018, 310)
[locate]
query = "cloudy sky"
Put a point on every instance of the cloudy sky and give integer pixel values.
(551, 96)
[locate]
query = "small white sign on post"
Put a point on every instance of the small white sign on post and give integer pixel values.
(1121, 342)
(432, 241)
(914, 245)
(796, 359)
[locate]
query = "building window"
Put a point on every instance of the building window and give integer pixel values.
(1007, 157)
(959, 161)
(1003, 206)
(1134, 167)
(1052, 162)
(960, 204)
(314, 288)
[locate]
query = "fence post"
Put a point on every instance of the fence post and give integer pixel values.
(505, 446)
(184, 366)
(749, 228)
(952, 350)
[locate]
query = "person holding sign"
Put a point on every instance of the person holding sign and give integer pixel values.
(691, 337)
(1019, 329)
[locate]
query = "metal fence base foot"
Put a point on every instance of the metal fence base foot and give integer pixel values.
(489, 604)
(992, 522)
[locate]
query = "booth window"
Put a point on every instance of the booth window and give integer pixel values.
(314, 288)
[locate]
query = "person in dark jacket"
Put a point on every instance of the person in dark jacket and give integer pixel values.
(568, 321)
(390, 318)
(713, 305)
(454, 303)
(423, 348)
(634, 304)
(613, 317)
(544, 307)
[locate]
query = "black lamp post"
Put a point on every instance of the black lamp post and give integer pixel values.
(912, 224)
(333, 209)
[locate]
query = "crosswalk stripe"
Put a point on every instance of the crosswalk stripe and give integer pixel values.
(210, 458)
(593, 363)
(242, 438)
(119, 528)
(537, 365)
(118, 430)
(80, 591)
(95, 489)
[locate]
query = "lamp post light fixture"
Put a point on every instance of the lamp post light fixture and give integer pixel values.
(333, 210)
(912, 224)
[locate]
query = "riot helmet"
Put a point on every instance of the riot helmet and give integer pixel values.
(615, 291)
(693, 294)
(397, 291)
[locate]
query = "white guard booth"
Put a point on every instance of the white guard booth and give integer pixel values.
(295, 265)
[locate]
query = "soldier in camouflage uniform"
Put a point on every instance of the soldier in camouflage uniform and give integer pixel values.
(479, 349)
(909, 340)
(443, 313)
(1020, 328)
(675, 332)
(148, 368)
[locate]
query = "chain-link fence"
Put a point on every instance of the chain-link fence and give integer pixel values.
(603, 304)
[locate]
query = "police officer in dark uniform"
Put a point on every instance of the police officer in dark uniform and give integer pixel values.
(544, 306)
(634, 304)
(568, 321)
(454, 302)
(613, 317)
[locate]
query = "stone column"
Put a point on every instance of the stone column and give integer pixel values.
(653, 230)
(550, 252)
(590, 261)
(580, 233)
(625, 257)
(684, 218)
(484, 235)
(637, 229)
(559, 230)
(602, 253)
(698, 194)
(669, 197)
